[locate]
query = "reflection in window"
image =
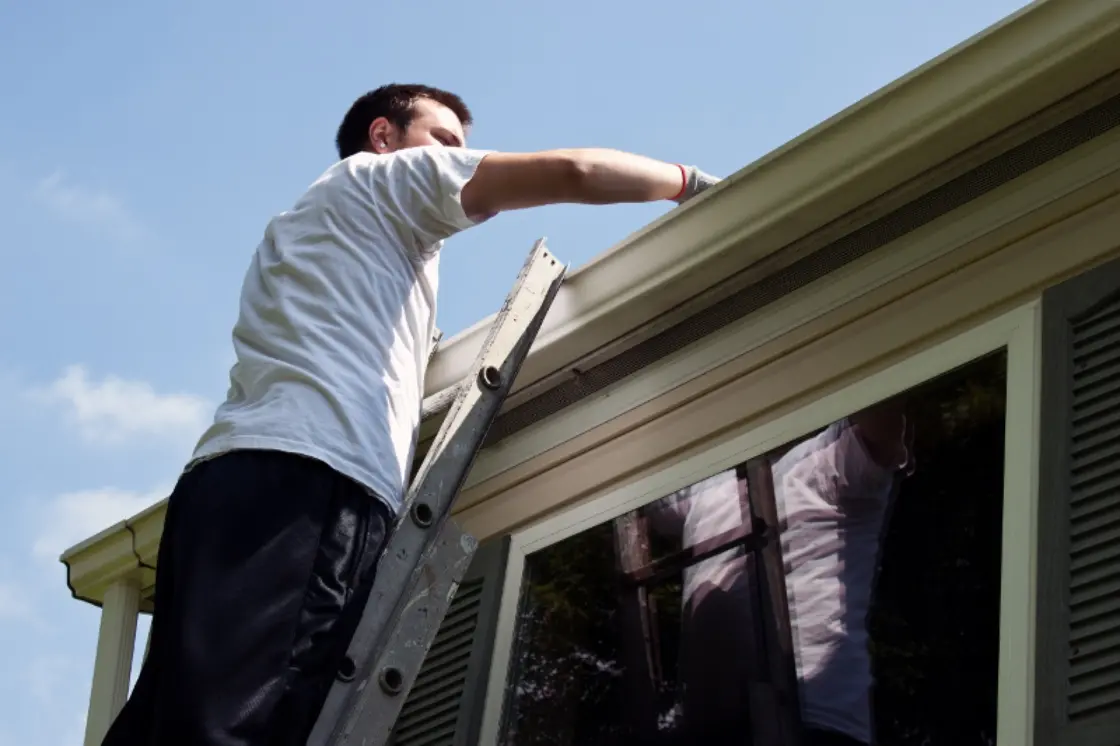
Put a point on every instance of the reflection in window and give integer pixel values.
(874, 618)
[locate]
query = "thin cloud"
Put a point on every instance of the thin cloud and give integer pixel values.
(46, 674)
(73, 517)
(115, 410)
(94, 209)
(14, 604)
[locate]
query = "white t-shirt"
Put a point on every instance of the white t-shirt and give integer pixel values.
(832, 498)
(337, 316)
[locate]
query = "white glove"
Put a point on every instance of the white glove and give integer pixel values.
(695, 182)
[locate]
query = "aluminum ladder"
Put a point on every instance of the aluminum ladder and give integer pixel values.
(427, 554)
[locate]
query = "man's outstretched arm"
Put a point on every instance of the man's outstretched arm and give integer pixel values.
(593, 176)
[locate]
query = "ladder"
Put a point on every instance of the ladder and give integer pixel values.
(427, 554)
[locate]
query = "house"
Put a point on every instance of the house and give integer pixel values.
(945, 252)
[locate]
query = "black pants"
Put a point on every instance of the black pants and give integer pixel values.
(829, 738)
(264, 566)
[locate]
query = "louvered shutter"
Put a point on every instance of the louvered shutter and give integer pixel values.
(1078, 631)
(444, 707)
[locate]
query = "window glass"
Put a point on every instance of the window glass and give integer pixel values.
(881, 533)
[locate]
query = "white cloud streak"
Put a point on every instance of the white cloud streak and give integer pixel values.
(115, 410)
(45, 676)
(14, 604)
(75, 516)
(94, 209)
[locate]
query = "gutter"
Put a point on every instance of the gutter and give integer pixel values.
(128, 557)
(1002, 75)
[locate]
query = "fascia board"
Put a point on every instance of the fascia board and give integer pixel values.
(1002, 75)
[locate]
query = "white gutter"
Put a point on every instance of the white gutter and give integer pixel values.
(973, 90)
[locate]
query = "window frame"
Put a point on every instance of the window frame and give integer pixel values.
(1018, 331)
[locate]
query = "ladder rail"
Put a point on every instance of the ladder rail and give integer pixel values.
(427, 554)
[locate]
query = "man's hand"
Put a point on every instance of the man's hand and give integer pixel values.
(695, 182)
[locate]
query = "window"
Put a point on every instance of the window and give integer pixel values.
(847, 583)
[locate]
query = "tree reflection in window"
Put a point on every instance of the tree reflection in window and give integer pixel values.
(612, 644)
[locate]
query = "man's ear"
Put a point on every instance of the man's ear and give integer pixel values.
(380, 135)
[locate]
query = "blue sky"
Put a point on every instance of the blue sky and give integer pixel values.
(143, 150)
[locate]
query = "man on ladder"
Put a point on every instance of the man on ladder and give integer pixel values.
(274, 529)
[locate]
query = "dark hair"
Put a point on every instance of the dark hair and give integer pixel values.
(395, 103)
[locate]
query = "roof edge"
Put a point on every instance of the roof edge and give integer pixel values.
(124, 548)
(873, 145)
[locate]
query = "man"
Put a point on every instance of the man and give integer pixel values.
(273, 531)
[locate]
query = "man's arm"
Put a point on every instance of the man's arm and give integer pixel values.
(514, 181)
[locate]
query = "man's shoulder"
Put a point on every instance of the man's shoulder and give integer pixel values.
(416, 190)
(371, 168)
(425, 162)
(420, 156)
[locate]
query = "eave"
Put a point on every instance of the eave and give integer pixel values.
(1002, 75)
